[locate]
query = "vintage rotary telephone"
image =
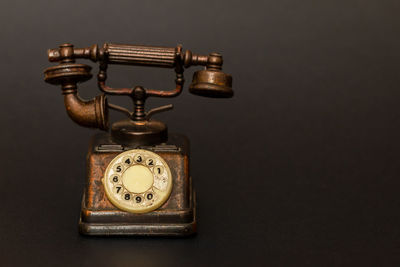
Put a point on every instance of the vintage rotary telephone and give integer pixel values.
(138, 178)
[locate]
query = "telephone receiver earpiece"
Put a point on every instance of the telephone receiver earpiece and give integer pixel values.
(212, 82)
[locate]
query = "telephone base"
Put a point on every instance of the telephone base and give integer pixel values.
(176, 217)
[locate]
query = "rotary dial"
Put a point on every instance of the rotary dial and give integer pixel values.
(138, 181)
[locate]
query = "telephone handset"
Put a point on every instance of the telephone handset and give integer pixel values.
(138, 180)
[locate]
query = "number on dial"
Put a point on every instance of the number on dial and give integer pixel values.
(138, 158)
(150, 162)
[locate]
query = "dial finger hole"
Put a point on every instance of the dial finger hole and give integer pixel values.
(115, 178)
(149, 196)
(158, 170)
(127, 161)
(138, 158)
(138, 199)
(119, 168)
(150, 162)
(118, 189)
(127, 196)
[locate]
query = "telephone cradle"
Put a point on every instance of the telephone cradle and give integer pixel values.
(138, 178)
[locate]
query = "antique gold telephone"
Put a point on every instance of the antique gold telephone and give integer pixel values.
(138, 178)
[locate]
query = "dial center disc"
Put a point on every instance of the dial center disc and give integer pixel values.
(137, 179)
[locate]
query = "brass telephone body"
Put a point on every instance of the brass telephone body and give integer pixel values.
(138, 180)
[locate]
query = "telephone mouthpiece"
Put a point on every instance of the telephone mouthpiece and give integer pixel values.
(211, 83)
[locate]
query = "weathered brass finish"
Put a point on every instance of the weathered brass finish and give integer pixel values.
(211, 83)
(99, 216)
(139, 132)
(92, 113)
(177, 217)
(66, 74)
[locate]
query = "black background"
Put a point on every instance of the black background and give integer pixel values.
(301, 167)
